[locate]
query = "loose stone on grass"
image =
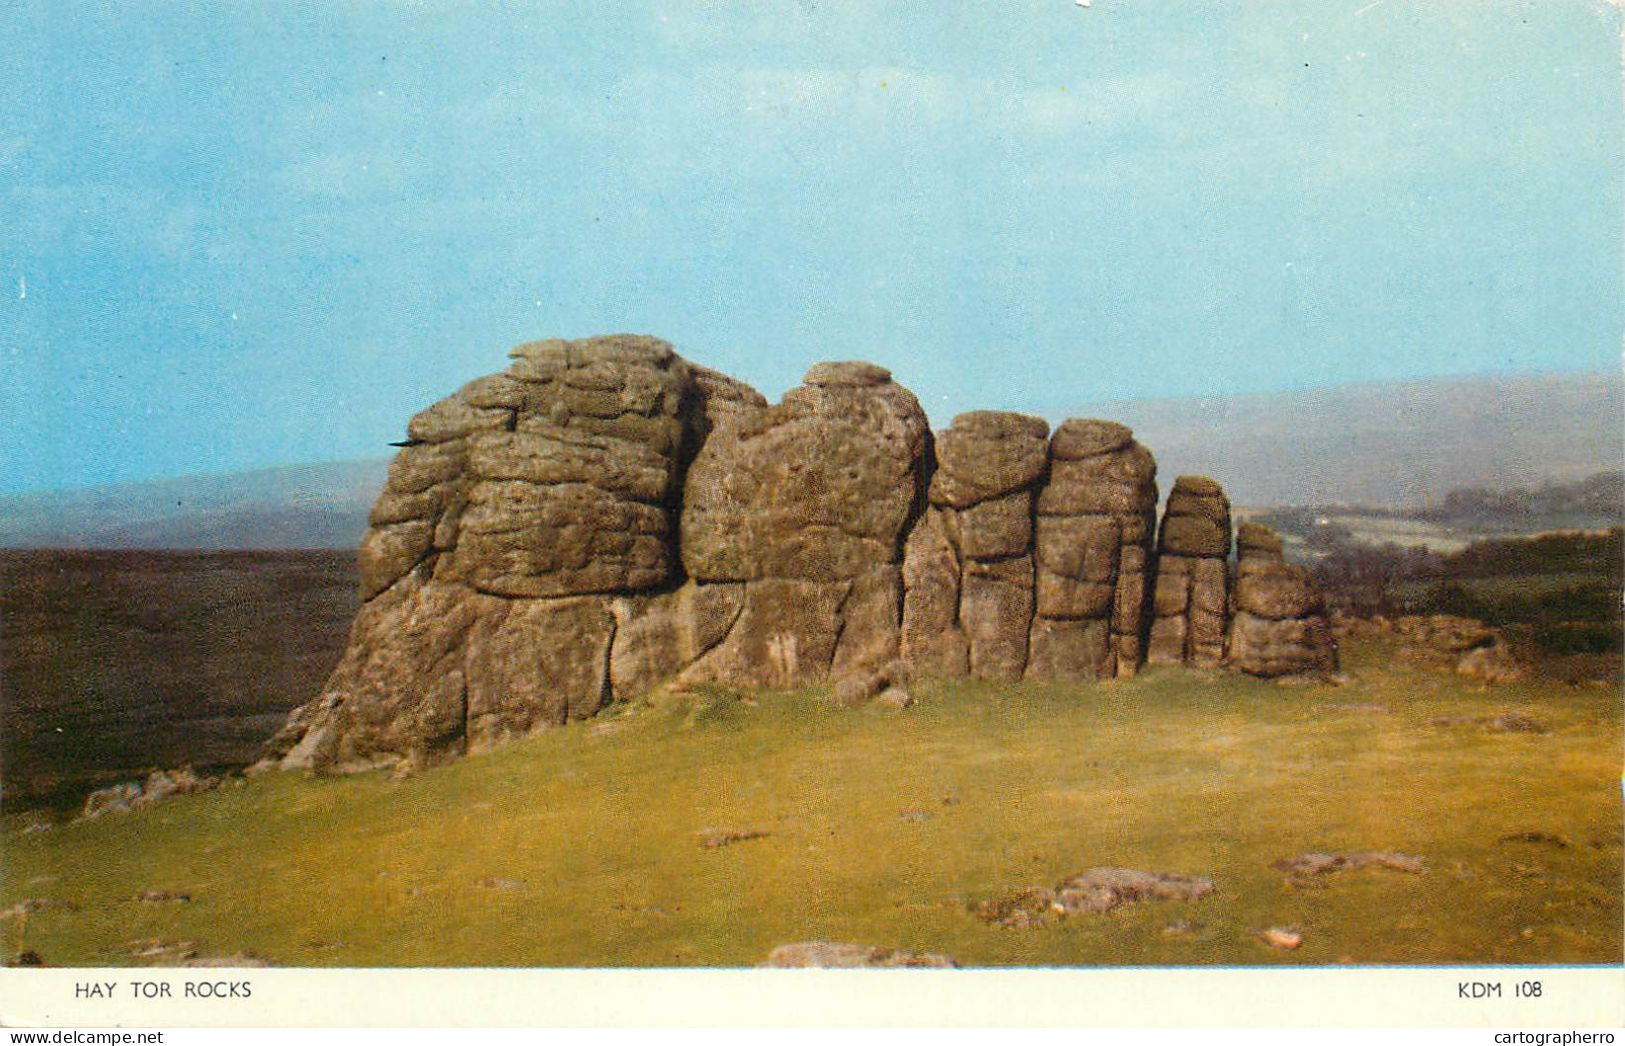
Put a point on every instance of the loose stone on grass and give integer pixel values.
(1536, 837)
(37, 904)
(162, 951)
(895, 697)
(1090, 893)
(1505, 723)
(1305, 866)
(135, 795)
(716, 839)
(236, 960)
(161, 896)
(832, 955)
(1281, 937)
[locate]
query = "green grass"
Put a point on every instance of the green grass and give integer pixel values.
(1176, 771)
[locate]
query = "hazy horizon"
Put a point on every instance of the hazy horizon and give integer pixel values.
(1179, 430)
(244, 236)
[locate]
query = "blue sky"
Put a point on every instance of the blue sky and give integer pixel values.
(246, 233)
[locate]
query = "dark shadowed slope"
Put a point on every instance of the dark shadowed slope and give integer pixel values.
(116, 663)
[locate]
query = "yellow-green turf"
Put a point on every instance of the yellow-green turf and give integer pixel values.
(586, 845)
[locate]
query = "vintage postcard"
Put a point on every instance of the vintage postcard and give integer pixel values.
(1081, 512)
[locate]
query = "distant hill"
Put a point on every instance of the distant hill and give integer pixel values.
(1397, 443)
(1391, 443)
(294, 506)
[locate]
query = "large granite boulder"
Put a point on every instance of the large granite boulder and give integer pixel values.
(516, 514)
(1279, 625)
(806, 504)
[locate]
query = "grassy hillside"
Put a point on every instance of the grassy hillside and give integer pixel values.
(588, 845)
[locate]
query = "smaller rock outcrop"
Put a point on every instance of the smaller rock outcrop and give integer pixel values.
(1279, 627)
(1191, 602)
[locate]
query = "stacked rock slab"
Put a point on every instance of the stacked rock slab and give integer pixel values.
(1279, 624)
(605, 517)
(804, 504)
(968, 562)
(523, 568)
(1191, 596)
(1096, 516)
(514, 510)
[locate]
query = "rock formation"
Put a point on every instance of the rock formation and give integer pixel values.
(1096, 515)
(1279, 624)
(1193, 583)
(606, 516)
(968, 564)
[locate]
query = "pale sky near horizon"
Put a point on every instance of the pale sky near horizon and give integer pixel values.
(241, 234)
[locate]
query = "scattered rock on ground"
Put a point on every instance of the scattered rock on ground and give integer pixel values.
(1504, 723)
(162, 950)
(895, 697)
(135, 795)
(886, 685)
(37, 904)
(1442, 634)
(1102, 889)
(715, 839)
(1490, 664)
(1092, 892)
(1536, 837)
(1512, 722)
(830, 955)
(1280, 937)
(236, 960)
(1026, 907)
(160, 896)
(1309, 864)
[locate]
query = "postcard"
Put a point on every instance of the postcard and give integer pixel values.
(1052, 512)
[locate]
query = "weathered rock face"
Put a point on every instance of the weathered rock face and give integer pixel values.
(1192, 591)
(968, 565)
(1096, 517)
(805, 505)
(605, 517)
(1279, 626)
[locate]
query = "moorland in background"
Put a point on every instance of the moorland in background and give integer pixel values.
(114, 663)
